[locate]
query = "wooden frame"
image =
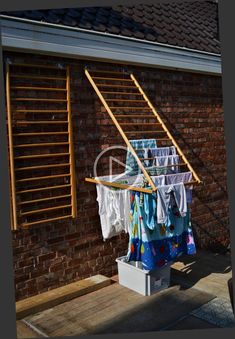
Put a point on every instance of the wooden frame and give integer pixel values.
(123, 133)
(27, 129)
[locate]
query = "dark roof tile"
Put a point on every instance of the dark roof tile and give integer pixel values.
(191, 24)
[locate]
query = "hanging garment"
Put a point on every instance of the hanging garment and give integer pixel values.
(114, 209)
(159, 180)
(156, 244)
(159, 152)
(114, 204)
(141, 147)
(168, 194)
(181, 177)
(166, 161)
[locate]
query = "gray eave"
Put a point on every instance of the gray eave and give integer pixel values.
(40, 37)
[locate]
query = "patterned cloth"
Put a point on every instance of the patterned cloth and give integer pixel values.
(141, 147)
(157, 244)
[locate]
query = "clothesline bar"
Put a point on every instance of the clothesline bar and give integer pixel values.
(118, 185)
(125, 186)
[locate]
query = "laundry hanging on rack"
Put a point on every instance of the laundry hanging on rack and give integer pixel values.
(114, 204)
(165, 161)
(141, 146)
(159, 152)
(181, 177)
(166, 195)
(156, 244)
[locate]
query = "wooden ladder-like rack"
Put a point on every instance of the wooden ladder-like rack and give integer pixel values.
(128, 106)
(42, 176)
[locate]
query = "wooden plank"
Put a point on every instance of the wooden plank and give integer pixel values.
(41, 167)
(139, 123)
(138, 116)
(43, 221)
(24, 331)
(125, 100)
(71, 148)
(122, 93)
(26, 202)
(43, 189)
(145, 132)
(45, 209)
(54, 122)
(116, 309)
(32, 156)
(45, 177)
(39, 99)
(119, 86)
(11, 150)
(39, 133)
(118, 185)
(120, 130)
(107, 71)
(39, 88)
(165, 128)
(42, 144)
(115, 79)
(20, 76)
(60, 295)
(41, 110)
(126, 107)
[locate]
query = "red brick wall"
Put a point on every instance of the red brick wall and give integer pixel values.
(50, 255)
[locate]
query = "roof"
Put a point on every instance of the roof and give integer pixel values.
(192, 25)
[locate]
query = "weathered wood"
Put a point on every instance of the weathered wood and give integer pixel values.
(11, 150)
(71, 148)
(60, 295)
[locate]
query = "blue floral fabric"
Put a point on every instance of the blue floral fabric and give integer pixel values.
(157, 244)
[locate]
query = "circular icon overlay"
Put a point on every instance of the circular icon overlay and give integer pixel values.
(126, 177)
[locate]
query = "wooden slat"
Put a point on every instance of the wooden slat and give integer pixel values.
(41, 167)
(118, 185)
(44, 177)
(46, 220)
(25, 76)
(145, 132)
(115, 79)
(41, 155)
(122, 93)
(126, 107)
(125, 100)
(26, 202)
(45, 210)
(42, 144)
(139, 123)
(165, 128)
(39, 99)
(43, 189)
(38, 88)
(138, 116)
(11, 151)
(119, 86)
(56, 122)
(71, 149)
(39, 134)
(120, 130)
(107, 71)
(40, 110)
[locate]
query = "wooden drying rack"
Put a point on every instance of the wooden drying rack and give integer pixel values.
(130, 82)
(22, 199)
